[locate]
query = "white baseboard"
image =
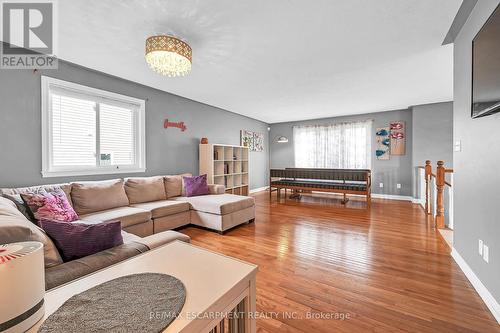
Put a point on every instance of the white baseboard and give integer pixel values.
(259, 189)
(418, 201)
(392, 197)
(481, 289)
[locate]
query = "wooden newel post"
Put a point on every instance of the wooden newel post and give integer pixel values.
(440, 195)
(428, 171)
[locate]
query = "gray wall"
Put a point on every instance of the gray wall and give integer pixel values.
(169, 151)
(476, 177)
(391, 172)
(432, 136)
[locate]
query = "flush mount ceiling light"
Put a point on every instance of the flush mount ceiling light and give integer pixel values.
(168, 55)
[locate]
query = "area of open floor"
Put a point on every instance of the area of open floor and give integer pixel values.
(351, 269)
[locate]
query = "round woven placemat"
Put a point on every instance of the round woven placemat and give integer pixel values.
(146, 302)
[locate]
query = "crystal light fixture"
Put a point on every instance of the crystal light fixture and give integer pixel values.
(168, 55)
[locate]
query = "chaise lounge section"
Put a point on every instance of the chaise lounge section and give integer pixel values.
(220, 212)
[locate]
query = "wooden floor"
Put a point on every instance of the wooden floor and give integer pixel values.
(378, 269)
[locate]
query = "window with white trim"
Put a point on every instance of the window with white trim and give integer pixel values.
(87, 131)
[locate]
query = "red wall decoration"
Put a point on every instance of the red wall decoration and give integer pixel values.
(398, 137)
(180, 125)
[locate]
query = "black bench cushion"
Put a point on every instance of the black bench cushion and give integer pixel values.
(321, 184)
(322, 174)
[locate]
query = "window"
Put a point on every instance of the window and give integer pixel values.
(87, 131)
(335, 146)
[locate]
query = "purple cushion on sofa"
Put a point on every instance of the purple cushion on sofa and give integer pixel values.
(76, 240)
(196, 185)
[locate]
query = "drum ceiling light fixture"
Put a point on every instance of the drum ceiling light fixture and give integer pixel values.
(168, 55)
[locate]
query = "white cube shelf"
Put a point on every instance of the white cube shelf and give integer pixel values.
(225, 165)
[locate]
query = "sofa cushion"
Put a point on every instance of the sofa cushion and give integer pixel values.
(145, 189)
(173, 185)
(142, 229)
(14, 227)
(71, 270)
(128, 237)
(163, 208)
(9, 208)
(35, 189)
(90, 197)
(78, 240)
(220, 204)
(163, 238)
(171, 222)
(216, 189)
(126, 215)
(20, 205)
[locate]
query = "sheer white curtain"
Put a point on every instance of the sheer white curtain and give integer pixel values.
(335, 146)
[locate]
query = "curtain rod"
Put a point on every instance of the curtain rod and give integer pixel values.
(339, 123)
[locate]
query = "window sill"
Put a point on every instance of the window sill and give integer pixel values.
(50, 174)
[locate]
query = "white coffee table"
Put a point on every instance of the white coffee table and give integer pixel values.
(214, 284)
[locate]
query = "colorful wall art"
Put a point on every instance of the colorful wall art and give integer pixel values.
(383, 143)
(398, 138)
(258, 141)
(246, 139)
(253, 140)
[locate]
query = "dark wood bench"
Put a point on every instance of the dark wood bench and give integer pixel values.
(344, 181)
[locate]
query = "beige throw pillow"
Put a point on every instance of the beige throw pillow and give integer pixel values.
(145, 189)
(174, 185)
(90, 197)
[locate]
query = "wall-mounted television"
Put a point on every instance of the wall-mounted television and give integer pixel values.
(486, 68)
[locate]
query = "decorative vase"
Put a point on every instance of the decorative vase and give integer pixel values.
(204, 141)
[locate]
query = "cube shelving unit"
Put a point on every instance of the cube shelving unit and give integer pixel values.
(225, 165)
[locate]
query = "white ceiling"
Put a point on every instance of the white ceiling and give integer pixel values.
(275, 60)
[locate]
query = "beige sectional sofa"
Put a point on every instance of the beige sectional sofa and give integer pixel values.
(149, 205)
(148, 208)
(15, 227)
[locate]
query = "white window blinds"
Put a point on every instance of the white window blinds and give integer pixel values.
(90, 131)
(334, 146)
(73, 131)
(117, 135)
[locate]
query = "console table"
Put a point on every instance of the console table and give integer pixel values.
(215, 284)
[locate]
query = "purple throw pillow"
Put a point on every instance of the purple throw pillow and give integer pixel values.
(196, 185)
(77, 240)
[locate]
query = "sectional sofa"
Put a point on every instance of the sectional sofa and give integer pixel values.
(148, 208)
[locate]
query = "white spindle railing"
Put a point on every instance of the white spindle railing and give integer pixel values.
(448, 202)
(421, 187)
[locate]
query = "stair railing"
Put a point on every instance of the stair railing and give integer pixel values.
(435, 187)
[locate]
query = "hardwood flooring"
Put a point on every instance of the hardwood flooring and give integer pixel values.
(324, 267)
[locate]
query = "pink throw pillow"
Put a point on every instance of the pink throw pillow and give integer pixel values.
(52, 205)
